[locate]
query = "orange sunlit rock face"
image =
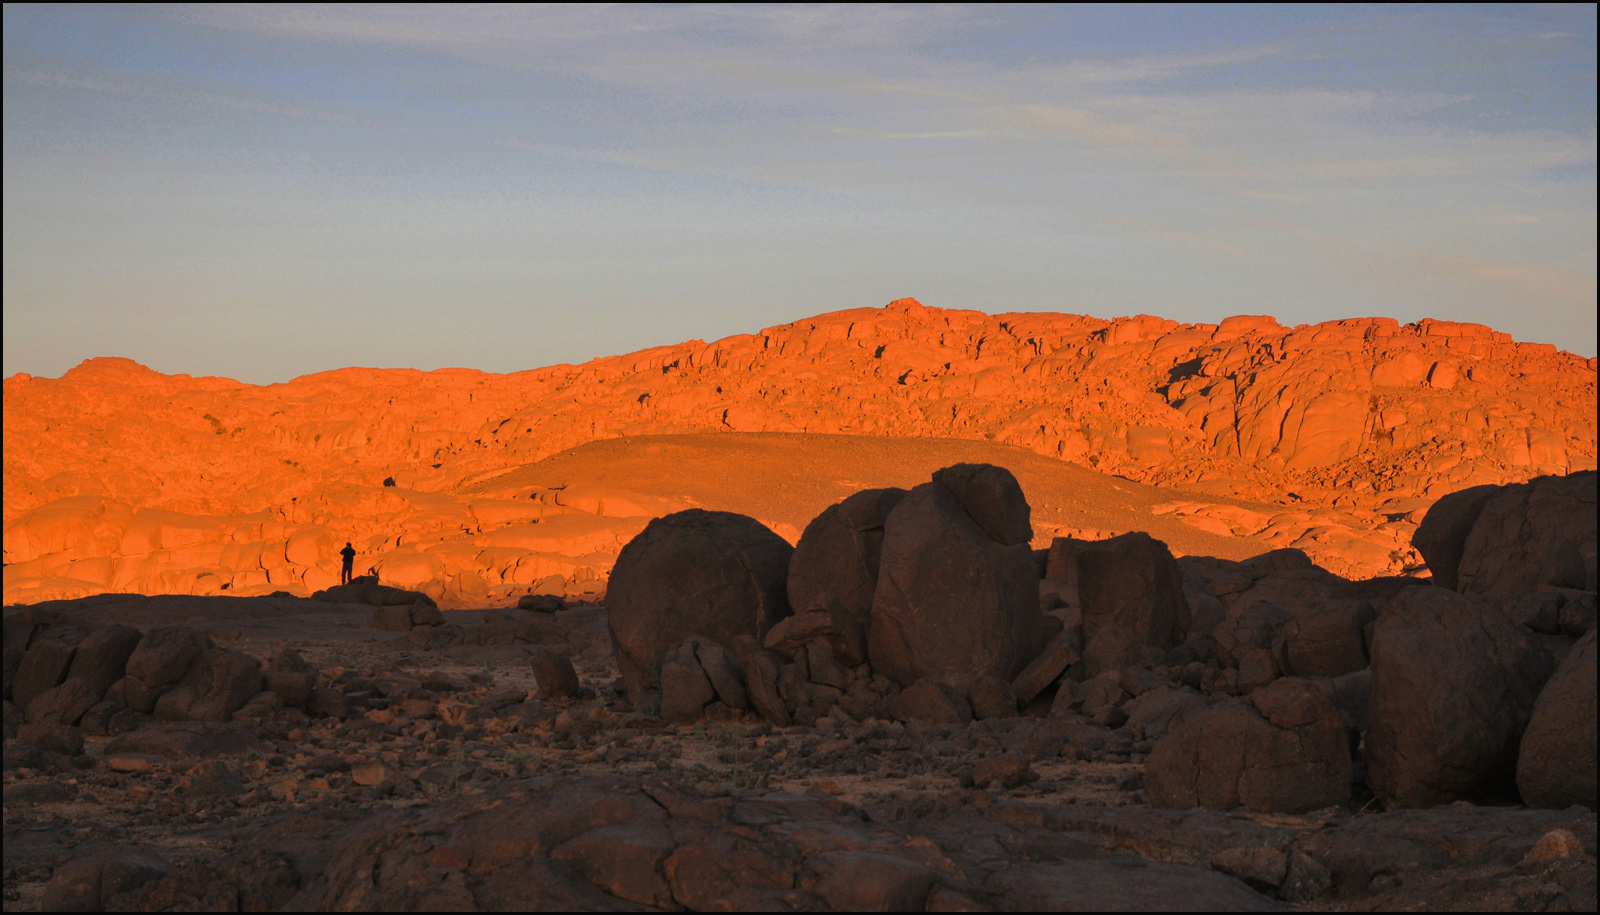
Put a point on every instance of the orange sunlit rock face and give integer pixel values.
(1331, 437)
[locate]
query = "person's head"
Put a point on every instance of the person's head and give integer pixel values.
(347, 543)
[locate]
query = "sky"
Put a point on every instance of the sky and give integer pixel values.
(263, 192)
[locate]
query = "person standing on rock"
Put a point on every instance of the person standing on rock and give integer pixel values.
(349, 554)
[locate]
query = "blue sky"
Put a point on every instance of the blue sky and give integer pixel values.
(261, 192)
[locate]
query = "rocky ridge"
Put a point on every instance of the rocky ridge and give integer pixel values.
(120, 478)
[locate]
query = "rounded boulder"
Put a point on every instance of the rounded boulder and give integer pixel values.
(953, 603)
(1283, 750)
(1453, 686)
(717, 575)
(1556, 764)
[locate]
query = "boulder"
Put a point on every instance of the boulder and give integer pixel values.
(1061, 567)
(835, 564)
(1156, 712)
(392, 619)
(993, 499)
(845, 634)
(1532, 534)
(211, 778)
(327, 702)
(624, 860)
(1442, 535)
(219, 683)
(722, 669)
(1453, 685)
(1250, 629)
(288, 660)
(1556, 762)
(1052, 662)
(102, 656)
(1352, 695)
(163, 656)
(991, 697)
(1286, 559)
(1325, 641)
(292, 687)
(685, 688)
(1282, 750)
(953, 603)
(63, 704)
(761, 669)
(1009, 770)
(930, 700)
(1130, 590)
(869, 881)
(716, 575)
(45, 665)
(553, 672)
(53, 737)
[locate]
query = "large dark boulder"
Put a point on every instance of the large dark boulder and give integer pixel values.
(63, 704)
(1453, 685)
(217, 684)
(1282, 750)
(1442, 535)
(163, 656)
(45, 665)
(993, 499)
(1326, 640)
(1532, 534)
(1131, 593)
(102, 656)
(835, 564)
(717, 575)
(954, 603)
(1556, 765)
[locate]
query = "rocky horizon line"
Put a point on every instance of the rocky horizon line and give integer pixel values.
(1421, 324)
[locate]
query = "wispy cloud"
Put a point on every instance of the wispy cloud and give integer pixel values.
(177, 95)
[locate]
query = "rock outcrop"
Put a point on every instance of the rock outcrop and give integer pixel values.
(715, 575)
(118, 478)
(1130, 590)
(953, 603)
(1556, 763)
(1537, 534)
(1282, 750)
(1453, 686)
(1441, 538)
(835, 564)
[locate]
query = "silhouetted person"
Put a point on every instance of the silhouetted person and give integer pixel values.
(349, 554)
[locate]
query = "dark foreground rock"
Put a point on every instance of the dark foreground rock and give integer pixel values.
(954, 602)
(1539, 533)
(596, 844)
(715, 575)
(1131, 592)
(1556, 765)
(1284, 749)
(1453, 685)
(835, 564)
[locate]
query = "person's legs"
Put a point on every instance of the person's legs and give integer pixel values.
(344, 575)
